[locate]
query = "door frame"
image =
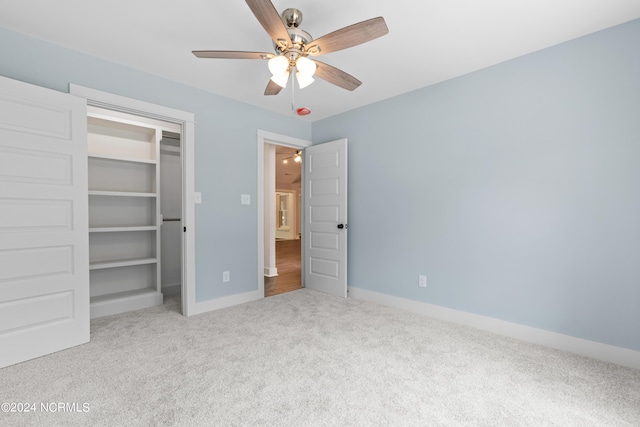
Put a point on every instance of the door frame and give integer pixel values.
(187, 122)
(265, 137)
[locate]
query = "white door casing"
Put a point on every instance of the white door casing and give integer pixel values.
(325, 216)
(186, 120)
(44, 261)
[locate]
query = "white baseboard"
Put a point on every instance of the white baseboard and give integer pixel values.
(224, 302)
(125, 303)
(270, 272)
(600, 351)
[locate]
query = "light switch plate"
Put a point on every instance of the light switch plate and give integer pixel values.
(197, 197)
(422, 281)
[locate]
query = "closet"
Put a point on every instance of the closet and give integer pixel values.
(125, 210)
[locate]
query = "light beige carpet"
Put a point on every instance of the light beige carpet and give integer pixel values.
(308, 359)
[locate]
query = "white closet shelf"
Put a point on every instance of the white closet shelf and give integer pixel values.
(124, 212)
(121, 193)
(121, 159)
(118, 229)
(121, 263)
(109, 298)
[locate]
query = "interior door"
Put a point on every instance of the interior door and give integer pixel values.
(44, 261)
(325, 216)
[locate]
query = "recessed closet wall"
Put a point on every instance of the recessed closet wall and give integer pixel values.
(171, 208)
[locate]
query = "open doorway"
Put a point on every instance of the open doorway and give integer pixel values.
(266, 203)
(285, 272)
(323, 219)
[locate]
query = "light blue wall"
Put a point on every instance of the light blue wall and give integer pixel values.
(226, 149)
(515, 189)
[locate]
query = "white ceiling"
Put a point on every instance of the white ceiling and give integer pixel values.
(429, 40)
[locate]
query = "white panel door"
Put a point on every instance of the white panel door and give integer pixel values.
(325, 201)
(44, 261)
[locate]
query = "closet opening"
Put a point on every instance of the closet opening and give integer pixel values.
(136, 211)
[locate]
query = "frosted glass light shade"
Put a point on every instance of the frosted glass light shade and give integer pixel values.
(306, 67)
(303, 81)
(280, 79)
(278, 65)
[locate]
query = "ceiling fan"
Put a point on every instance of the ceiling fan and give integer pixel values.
(297, 157)
(293, 46)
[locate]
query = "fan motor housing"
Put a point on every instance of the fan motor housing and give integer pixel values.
(292, 19)
(298, 36)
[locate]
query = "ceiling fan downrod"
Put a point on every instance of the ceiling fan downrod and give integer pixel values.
(293, 90)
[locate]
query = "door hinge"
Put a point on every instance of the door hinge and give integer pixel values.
(185, 229)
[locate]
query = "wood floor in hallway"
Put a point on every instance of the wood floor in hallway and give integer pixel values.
(288, 264)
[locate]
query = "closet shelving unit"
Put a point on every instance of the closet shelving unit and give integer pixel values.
(124, 211)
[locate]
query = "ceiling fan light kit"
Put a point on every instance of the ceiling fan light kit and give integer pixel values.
(296, 158)
(293, 45)
(280, 68)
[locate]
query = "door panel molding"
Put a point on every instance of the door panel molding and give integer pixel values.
(325, 201)
(44, 262)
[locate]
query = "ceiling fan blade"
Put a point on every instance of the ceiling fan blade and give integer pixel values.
(336, 76)
(269, 18)
(231, 54)
(350, 36)
(272, 88)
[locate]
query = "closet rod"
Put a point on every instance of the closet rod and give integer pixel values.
(171, 219)
(170, 136)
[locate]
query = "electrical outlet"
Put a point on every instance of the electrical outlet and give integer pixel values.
(225, 276)
(422, 281)
(245, 199)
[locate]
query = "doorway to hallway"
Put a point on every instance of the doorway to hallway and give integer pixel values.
(272, 280)
(323, 220)
(286, 222)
